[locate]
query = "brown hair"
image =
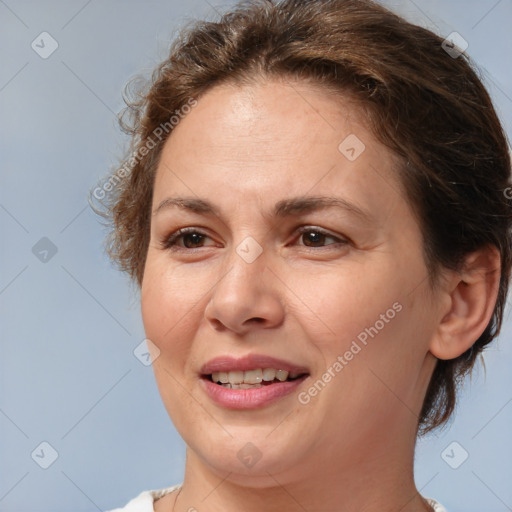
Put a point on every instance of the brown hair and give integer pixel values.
(428, 107)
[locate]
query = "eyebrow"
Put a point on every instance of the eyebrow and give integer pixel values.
(283, 208)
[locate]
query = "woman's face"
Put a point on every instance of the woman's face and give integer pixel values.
(266, 278)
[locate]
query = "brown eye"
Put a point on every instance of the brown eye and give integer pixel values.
(315, 237)
(192, 240)
(185, 239)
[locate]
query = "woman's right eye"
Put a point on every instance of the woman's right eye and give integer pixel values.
(190, 238)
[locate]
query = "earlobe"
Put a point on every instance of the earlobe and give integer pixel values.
(470, 300)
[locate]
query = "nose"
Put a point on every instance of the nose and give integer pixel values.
(247, 297)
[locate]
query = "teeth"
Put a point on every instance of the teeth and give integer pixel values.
(281, 375)
(251, 378)
(241, 386)
(269, 374)
(236, 377)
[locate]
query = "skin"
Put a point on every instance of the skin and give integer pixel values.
(244, 148)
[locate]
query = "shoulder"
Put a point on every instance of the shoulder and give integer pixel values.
(145, 501)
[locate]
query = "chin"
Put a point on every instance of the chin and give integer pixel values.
(250, 456)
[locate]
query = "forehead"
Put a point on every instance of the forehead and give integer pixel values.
(267, 117)
(274, 139)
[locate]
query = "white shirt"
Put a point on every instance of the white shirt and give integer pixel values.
(144, 502)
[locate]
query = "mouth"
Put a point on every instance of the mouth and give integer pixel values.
(250, 382)
(252, 379)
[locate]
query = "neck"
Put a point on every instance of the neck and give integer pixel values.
(367, 480)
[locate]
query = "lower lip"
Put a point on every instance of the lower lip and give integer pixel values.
(249, 398)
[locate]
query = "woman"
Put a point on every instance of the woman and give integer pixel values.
(315, 210)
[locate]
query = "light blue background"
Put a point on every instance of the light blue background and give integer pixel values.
(69, 326)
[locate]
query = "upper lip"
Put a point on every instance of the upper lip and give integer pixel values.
(249, 362)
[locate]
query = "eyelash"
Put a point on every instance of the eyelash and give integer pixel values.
(170, 242)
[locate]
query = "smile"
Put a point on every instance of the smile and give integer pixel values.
(252, 379)
(249, 382)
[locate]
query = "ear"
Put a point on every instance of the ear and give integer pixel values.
(470, 299)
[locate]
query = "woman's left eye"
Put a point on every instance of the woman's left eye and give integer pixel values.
(316, 237)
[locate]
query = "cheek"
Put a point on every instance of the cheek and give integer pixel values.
(367, 315)
(342, 302)
(168, 315)
(169, 302)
